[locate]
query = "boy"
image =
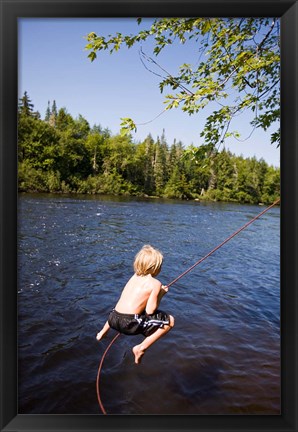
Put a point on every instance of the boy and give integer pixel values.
(136, 311)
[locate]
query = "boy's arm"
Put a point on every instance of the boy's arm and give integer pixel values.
(163, 290)
(155, 297)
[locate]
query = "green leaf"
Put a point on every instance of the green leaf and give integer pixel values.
(92, 56)
(127, 126)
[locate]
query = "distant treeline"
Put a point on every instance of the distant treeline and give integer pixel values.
(66, 155)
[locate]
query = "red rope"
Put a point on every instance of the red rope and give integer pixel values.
(98, 374)
(171, 283)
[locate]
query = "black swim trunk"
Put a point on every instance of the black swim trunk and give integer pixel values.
(134, 324)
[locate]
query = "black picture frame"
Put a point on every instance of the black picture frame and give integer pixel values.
(10, 12)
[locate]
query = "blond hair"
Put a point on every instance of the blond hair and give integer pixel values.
(148, 261)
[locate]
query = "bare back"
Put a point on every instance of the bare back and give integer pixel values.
(136, 293)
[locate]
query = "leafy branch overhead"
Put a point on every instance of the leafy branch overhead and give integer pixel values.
(127, 125)
(237, 69)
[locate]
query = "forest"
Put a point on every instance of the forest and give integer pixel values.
(62, 154)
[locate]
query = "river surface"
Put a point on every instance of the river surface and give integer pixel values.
(76, 254)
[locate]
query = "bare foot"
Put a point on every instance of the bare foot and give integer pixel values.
(100, 335)
(138, 353)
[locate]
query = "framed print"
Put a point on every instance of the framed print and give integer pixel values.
(55, 375)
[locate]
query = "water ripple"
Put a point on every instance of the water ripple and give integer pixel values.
(75, 255)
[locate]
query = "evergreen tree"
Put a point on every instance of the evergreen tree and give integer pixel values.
(149, 184)
(177, 186)
(48, 113)
(26, 106)
(160, 174)
(54, 109)
(225, 174)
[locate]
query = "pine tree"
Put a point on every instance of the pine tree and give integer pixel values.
(26, 106)
(54, 109)
(48, 113)
(160, 168)
(149, 166)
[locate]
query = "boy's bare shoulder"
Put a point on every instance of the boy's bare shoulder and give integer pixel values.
(155, 283)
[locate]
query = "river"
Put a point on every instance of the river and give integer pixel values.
(75, 254)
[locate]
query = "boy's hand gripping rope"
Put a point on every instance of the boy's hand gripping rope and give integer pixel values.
(174, 281)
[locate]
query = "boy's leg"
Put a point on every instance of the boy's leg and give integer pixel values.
(103, 332)
(139, 350)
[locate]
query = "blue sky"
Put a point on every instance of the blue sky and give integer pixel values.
(53, 65)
